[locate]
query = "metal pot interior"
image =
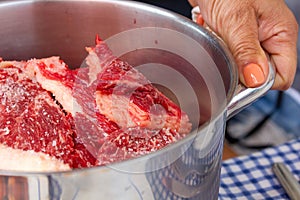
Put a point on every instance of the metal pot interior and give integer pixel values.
(45, 28)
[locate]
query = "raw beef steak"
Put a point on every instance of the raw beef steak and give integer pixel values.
(31, 120)
(126, 97)
(95, 115)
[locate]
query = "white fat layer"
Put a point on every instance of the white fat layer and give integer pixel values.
(62, 94)
(19, 160)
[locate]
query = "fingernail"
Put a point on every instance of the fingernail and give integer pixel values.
(200, 20)
(253, 75)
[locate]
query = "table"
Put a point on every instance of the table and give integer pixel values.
(251, 177)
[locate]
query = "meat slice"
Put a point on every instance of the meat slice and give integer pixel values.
(31, 120)
(126, 97)
(54, 76)
(72, 89)
(104, 112)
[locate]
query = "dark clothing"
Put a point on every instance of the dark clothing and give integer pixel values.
(180, 6)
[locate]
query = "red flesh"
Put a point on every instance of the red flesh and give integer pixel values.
(89, 138)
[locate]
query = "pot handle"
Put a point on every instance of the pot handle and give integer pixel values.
(245, 96)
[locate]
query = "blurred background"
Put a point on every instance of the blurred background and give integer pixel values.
(179, 6)
(270, 121)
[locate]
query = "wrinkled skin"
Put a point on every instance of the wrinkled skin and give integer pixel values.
(250, 27)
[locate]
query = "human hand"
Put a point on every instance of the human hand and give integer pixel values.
(251, 28)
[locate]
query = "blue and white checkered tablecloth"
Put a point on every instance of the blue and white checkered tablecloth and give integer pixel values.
(251, 177)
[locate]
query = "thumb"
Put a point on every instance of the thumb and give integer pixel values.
(239, 30)
(250, 58)
(243, 41)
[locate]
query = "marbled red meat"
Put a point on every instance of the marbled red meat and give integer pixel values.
(126, 97)
(96, 115)
(134, 142)
(31, 120)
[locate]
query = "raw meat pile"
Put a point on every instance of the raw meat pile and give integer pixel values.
(55, 118)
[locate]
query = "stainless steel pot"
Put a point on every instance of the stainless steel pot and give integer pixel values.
(187, 62)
